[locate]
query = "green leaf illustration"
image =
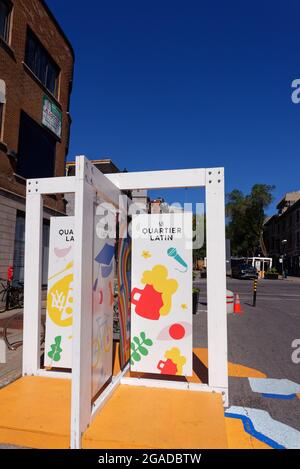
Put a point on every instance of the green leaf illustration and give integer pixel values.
(138, 347)
(143, 350)
(135, 356)
(56, 349)
(148, 342)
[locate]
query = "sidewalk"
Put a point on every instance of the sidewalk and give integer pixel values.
(11, 370)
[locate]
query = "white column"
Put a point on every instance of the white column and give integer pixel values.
(32, 280)
(82, 322)
(216, 280)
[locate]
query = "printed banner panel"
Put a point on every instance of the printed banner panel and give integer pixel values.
(161, 296)
(103, 300)
(60, 299)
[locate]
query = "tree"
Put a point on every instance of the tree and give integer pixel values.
(246, 215)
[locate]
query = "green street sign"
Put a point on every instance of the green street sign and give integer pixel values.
(52, 116)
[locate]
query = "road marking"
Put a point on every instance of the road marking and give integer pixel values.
(265, 428)
(274, 386)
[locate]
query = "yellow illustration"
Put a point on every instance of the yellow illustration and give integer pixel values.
(101, 344)
(96, 347)
(60, 302)
(146, 254)
(178, 359)
(158, 278)
(184, 306)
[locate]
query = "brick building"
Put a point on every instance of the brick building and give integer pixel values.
(282, 234)
(36, 72)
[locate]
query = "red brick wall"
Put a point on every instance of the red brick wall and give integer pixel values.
(23, 91)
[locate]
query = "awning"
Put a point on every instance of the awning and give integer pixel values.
(2, 92)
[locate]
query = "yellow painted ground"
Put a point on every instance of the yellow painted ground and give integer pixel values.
(237, 437)
(139, 417)
(35, 412)
(234, 369)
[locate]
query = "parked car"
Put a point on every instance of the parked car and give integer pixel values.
(244, 271)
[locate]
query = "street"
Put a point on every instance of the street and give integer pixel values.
(260, 338)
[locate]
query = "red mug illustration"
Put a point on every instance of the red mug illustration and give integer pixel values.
(149, 302)
(167, 368)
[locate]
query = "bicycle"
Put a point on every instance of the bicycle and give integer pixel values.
(11, 296)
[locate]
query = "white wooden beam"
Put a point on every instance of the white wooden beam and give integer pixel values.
(83, 305)
(32, 283)
(216, 280)
(57, 185)
(158, 179)
(108, 391)
(103, 185)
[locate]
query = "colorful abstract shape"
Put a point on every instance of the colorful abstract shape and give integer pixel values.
(63, 252)
(60, 301)
(274, 387)
(124, 276)
(146, 254)
(139, 347)
(155, 299)
(56, 350)
(175, 331)
(172, 252)
(174, 362)
(262, 426)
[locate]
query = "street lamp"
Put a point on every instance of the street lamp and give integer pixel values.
(284, 243)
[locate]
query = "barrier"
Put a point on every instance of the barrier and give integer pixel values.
(229, 301)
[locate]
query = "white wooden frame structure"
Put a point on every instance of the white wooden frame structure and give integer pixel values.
(87, 183)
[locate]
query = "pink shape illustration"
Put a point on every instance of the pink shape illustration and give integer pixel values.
(63, 252)
(175, 331)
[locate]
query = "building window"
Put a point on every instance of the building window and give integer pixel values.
(5, 10)
(40, 63)
(37, 149)
(19, 249)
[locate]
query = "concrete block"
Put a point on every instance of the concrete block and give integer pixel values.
(3, 351)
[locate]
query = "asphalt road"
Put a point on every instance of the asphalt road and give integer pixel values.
(260, 338)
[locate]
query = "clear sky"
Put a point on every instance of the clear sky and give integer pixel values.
(165, 84)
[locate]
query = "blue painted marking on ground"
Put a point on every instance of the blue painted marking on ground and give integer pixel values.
(279, 396)
(249, 428)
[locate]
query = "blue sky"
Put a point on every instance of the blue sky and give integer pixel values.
(165, 84)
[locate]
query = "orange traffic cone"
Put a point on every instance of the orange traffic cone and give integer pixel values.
(237, 305)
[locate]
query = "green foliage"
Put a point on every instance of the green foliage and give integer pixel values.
(199, 223)
(246, 215)
(272, 271)
(56, 349)
(138, 347)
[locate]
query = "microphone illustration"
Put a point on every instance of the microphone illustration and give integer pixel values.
(172, 252)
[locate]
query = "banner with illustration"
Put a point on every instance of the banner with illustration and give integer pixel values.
(60, 298)
(161, 295)
(103, 296)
